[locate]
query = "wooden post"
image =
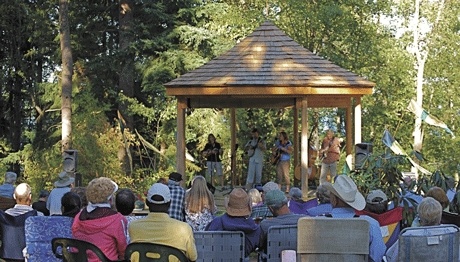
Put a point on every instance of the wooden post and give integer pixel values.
(180, 142)
(233, 146)
(304, 148)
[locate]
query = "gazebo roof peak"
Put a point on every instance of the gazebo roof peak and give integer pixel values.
(269, 58)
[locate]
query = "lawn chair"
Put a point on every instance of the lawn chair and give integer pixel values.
(279, 238)
(332, 239)
(149, 252)
(450, 218)
(429, 243)
(12, 235)
(223, 246)
(40, 230)
(74, 250)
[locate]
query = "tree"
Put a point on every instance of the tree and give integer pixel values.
(66, 76)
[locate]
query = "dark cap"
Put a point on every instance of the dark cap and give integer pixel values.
(174, 176)
(254, 130)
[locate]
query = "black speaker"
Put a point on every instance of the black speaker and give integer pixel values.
(362, 152)
(70, 161)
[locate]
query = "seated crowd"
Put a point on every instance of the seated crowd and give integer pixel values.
(100, 211)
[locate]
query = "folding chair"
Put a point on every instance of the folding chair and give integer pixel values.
(149, 252)
(450, 218)
(430, 243)
(223, 246)
(13, 235)
(390, 224)
(279, 238)
(74, 250)
(332, 239)
(40, 230)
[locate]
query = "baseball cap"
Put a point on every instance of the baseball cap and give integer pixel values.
(274, 197)
(159, 189)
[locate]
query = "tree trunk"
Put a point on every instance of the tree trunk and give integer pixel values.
(66, 77)
(126, 81)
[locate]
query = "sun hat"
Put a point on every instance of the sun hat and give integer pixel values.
(275, 197)
(345, 189)
(64, 180)
(374, 194)
(237, 203)
(159, 189)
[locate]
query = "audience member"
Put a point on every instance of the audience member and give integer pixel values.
(451, 191)
(40, 205)
(277, 203)
(440, 195)
(255, 196)
(23, 197)
(296, 204)
(98, 223)
(81, 191)
(12, 236)
(345, 199)
(61, 186)
(376, 202)
(7, 189)
(177, 207)
(430, 212)
(71, 204)
(260, 212)
(162, 229)
(437, 194)
(200, 207)
(407, 196)
(238, 207)
(125, 201)
(324, 202)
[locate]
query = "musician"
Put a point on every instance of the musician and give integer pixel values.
(254, 149)
(330, 154)
(281, 156)
(212, 152)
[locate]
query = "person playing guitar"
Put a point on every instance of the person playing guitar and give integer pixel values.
(330, 155)
(213, 153)
(254, 149)
(281, 157)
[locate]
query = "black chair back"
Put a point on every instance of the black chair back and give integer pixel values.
(161, 251)
(74, 250)
(13, 234)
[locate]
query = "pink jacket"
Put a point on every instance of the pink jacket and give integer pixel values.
(107, 233)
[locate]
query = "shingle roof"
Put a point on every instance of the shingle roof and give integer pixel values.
(269, 58)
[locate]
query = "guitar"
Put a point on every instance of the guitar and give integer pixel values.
(252, 149)
(275, 157)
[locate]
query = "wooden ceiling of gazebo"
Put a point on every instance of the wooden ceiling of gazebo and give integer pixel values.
(268, 69)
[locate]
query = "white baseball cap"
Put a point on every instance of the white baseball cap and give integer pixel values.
(159, 189)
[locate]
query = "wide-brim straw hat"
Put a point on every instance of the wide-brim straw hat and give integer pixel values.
(238, 204)
(345, 189)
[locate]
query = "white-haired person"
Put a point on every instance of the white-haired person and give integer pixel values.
(99, 224)
(345, 200)
(7, 189)
(429, 214)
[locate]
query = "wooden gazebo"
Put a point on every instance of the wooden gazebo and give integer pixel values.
(268, 69)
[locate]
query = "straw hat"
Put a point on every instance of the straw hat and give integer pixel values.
(345, 189)
(238, 203)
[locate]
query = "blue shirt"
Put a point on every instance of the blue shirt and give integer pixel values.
(53, 203)
(284, 155)
(377, 247)
(319, 210)
(7, 190)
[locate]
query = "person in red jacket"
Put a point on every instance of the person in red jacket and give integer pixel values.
(99, 224)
